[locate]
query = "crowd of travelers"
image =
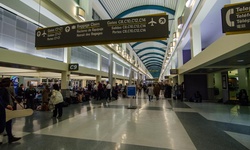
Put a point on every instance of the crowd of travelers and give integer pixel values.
(96, 91)
(51, 98)
(25, 98)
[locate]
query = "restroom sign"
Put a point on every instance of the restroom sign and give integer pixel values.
(236, 18)
(73, 67)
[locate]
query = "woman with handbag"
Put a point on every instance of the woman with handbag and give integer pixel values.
(57, 100)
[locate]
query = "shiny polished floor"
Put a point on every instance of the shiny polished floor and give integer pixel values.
(164, 124)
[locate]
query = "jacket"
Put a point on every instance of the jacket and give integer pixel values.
(5, 97)
(150, 91)
(56, 97)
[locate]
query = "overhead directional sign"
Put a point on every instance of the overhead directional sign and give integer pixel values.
(236, 18)
(132, 29)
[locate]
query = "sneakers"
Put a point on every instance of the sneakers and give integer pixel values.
(13, 139)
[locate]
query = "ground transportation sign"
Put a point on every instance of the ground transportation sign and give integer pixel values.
(131, 29)
(236, 18)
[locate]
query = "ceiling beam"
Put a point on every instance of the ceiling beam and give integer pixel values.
(145, 7)
(158, 41)
(152, 60)
(152, 53)
(150, 48)
(153, 64)
(149, 58)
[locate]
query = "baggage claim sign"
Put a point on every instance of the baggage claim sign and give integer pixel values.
(132, 29)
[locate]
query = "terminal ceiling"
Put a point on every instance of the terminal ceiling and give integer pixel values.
(151, 53)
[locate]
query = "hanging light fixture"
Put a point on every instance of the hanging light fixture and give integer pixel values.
(174, 36)
(80, 12)
(180, 22)
(189, 3)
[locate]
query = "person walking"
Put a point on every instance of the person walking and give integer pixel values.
(20, 94)
(57, 100)
(7, 103)
(150, 92)
(108, 87)
(45, 97)
(157, 90)
(30, 95)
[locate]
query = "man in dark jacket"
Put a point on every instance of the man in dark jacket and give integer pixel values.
(30, 95)
(6, 102)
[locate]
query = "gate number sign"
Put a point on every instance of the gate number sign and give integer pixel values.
(73, 67)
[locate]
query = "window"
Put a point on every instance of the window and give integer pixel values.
(95, 16)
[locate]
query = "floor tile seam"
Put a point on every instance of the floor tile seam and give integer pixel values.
(236, 128)
(236, 132)
(225, 122)
(75, 116)
(211, 124)
(104, 139)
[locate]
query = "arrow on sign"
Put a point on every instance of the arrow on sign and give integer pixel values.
(162, 20)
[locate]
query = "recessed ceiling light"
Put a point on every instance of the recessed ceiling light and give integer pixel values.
(240, 60)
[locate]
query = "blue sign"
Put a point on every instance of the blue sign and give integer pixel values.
(131, 90)
(15, 83)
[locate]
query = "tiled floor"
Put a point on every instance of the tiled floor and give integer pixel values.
(163, 124)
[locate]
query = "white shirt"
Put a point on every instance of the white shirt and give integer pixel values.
(95, 87)
(108, 86)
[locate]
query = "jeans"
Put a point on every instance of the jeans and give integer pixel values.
(150, 97)
(2, 118)
(58, 108)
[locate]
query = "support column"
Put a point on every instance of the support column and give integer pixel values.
(123, 71)
(110, 75)
(138, 77)
(210, 86)
(218, 85)
(114, 81)
(84, 83)
(124, 46)
(195, 40)
(65, 87)
(65, 75)
(180, 78)
(243, 79)
(130, 75)
(98, 78)
(225, 90)
(123, 82)
(180, 57)
(87, 6)
(99, 63)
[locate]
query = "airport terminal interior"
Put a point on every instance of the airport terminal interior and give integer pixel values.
(183, 47)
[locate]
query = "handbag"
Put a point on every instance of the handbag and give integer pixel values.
(51, 106)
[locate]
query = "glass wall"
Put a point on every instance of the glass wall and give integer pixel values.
(105, 64)
(118, 69)
(18, 34)
(84, 57)
(126, 72)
